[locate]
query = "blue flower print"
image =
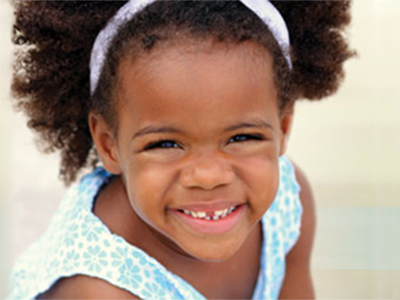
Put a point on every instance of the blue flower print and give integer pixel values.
(147, 274)
(284, 165)
(278, 261)
(160, 279)
(119, 256)
(71, 261)
(140, 257)
(287, 201)
(106, 243)
(53, 267)
(90, 230)
(286, 181)
(153, 290)
(95, 258)
(71, 235)
(275, 243)
(129, 274)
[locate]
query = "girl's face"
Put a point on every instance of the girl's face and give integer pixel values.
(199, 136)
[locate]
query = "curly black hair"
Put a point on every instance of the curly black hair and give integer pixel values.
(54, 40)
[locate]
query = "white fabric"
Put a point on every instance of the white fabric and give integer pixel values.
(262, 8)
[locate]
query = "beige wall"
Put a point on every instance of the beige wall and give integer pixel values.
(350, 148)
(348, 145)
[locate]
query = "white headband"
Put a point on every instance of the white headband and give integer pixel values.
(262, 8)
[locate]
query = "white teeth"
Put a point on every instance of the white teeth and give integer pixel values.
(201, 214)
(222, 212)
(218, 214)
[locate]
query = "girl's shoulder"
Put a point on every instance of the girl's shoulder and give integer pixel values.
(85, 287)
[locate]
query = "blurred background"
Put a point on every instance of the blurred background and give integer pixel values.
(348, 145)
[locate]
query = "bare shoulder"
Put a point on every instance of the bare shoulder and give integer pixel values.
(298, 282)
(85, 287)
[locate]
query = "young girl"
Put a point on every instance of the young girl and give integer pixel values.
(188, 105)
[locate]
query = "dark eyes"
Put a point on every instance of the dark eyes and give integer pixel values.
(170, 144)
(245, 138)
(162, 145)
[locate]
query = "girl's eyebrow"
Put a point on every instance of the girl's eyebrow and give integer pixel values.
(151, 129)
(251, 124)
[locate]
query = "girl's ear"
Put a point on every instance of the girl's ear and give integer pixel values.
(105, 142)
(286, 126)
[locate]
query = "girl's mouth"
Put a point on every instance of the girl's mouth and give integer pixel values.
(211, 222)
(210, 215)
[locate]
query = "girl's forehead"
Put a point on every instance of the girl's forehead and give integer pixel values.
(193, 49)
(191, 57)
(187, 83)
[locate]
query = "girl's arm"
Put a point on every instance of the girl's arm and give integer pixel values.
(298, 283)
(85, 287)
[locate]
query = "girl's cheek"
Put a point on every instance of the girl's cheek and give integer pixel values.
(149, 181)
(261, 175)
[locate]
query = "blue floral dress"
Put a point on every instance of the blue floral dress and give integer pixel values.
(77, 242)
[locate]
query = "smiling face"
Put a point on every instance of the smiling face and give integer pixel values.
(199, 136)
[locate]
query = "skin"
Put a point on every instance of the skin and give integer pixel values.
(197, 125)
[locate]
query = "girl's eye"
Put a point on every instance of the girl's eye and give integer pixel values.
(245, 138)
(162, 145)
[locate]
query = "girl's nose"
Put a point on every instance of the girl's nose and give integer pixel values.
(207, 172)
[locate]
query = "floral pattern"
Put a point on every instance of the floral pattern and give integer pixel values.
(129, 273)
(94, 259)
(77, 242)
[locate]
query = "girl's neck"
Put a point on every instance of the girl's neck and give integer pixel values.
(239, 273)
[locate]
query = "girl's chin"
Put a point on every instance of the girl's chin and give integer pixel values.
(200, 247)
(211, 250)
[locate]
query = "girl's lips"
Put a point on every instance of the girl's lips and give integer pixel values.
(204, 226)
